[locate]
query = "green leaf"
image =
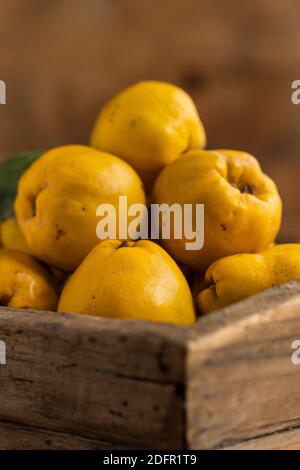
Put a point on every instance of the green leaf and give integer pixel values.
(11, 171)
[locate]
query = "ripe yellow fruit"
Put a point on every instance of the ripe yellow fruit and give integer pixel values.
(128, 280)
(12, 237)
(25, 283)
(234, 278)
(242, 207)
(58, 197)
(149, 125)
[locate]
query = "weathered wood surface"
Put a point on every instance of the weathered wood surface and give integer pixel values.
(241, 383)
(18, 437)
(116, 381)
(289, 440)
(84, 382)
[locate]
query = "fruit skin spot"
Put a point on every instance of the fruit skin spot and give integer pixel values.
(59, 233)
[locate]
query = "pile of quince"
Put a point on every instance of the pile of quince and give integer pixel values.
(147, 144)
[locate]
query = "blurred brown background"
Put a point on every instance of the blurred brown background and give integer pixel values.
(63, 59)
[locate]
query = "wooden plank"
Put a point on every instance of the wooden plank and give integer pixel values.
(226, 381)
(18, 437)
(241, 383)
(131, 348)
(289, 440)
(115, 381)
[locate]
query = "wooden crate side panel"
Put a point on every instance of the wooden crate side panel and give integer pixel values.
(18, 437)
(119, 382)
(241, 383)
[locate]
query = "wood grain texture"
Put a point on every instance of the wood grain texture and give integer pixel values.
(18, 437)
(227, 382)
(115, 381)
(241, 383)
(289, 440)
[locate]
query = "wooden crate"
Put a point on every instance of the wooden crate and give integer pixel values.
(75, 382)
